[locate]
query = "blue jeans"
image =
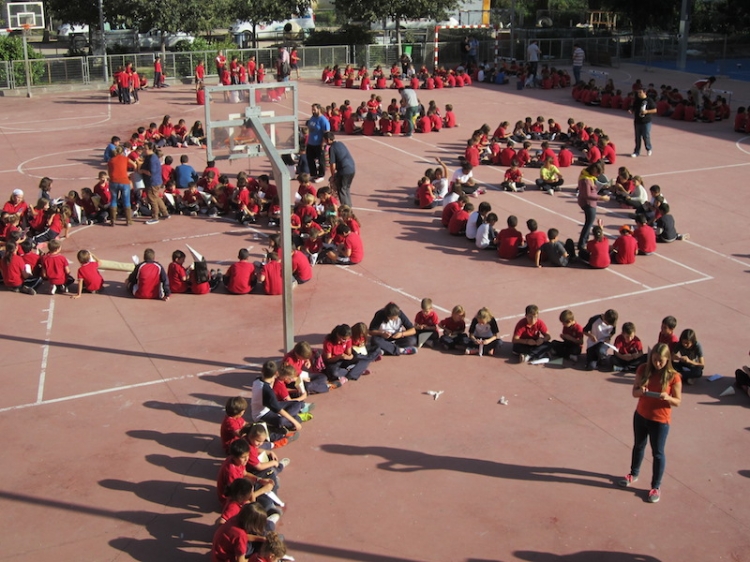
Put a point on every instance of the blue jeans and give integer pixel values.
(589, 213)
(411, 113)
(656, 433)
(117, 189)
(642, 132)
(577, 73)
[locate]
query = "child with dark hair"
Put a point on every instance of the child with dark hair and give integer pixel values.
(149, 279)
(531, 339)
(667, 334)
(598, 332)
(687, 357)
(535, 239)
(596, 253)
(266, 408)
(571, 339)
(665, 227)
(392, 331)
(301, 358)
(56, 268)
(238, 279)
(509, 240)
(13, 271)
(629, 353)
(179, 280)
(555, 252)
(246, 530)
(341, 362)
(645, 236)
(233, 468)
(233, 421)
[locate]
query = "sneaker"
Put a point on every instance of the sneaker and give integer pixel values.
(629, 480)
(152, 221)
(367, 372)
(471, 351)
(193, 213)
(303, 417)
(53, 290)
(523, 358)
(308, 407)
(167, 217)
(550, 191)
(28, 290)
(284, 462)
(634, 155)
(650, 152)
(618, 369)
(274, 518)
(410, 350)
(654, 495)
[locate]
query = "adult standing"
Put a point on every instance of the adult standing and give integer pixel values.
(221, 62)
(152, 177)
(658, 388)
(578, 57)
(317, 126)
(411, 101)
(700, 89)
(158, 76)
(342, 167)
(473, 52)
(533, 53)
(643, 107)
(119, 186)
(282, 65)
(465, 51)
(588, 197)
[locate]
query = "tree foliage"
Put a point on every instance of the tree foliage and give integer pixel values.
(375, 10)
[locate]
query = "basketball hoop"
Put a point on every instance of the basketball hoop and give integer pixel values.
(26, 27)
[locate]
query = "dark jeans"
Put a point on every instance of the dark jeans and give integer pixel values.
(596, 353)
(577, 74)
(631, 365)
(533, 351)
(411, 113)
(656, 433)
(391, 347)
(351, 368)
(642, 133)
(689, 371)
(589, 213)
(343, 187)
(277, 420)
(314, 153)
(565, 348)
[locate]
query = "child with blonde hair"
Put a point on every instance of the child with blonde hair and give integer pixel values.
(454, 329)
(484, 335)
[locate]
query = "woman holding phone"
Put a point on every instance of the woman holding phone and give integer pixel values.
(658, 387)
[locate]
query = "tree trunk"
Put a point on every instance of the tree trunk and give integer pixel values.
(398, 38)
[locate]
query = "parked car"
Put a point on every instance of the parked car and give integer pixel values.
(152, 39)
(422, 23)
(304, 23)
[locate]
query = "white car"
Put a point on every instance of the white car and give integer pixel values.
(274, 29)
(422, 23)
(152, 39)
(68, 29)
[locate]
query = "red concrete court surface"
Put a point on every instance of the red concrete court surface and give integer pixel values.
(110, 407)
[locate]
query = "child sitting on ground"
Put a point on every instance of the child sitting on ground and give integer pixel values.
(571, 337)
(265, 407)
(629, 353)
(89, 278)
(454, 329)
(531, 339)
(484, 335)
(426, 323)
(598, 332)
(56, 268)
(233, 421)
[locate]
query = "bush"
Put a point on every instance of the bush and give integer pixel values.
(11, 49)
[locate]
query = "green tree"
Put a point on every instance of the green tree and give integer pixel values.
(265, 11)
(11, 49)
(370, 11)
(662, 15)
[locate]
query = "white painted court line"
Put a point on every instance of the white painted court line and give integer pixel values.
(45, 351)
(390, 288)
(21, 131)
(124, 388)
(725, 256)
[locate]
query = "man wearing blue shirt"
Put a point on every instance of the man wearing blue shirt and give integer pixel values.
(184, 173)
(317, 126)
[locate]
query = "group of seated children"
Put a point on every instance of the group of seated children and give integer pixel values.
(378, 79)
(501, 148)
(371, 118)
(669, 101)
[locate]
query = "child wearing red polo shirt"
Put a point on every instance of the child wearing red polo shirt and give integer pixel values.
(667, 333)
(233, 421)
(449, 119)
(56, 268)
(176, 273)
(513, 178)
(426, 324)
(89, 278)
(645, 236)
(531, 339)
(625, 247)
(535, 239)
(571, 339)
(457, 224)
(239, 277)
(629, 354)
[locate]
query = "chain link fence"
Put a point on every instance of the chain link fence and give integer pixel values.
(600, 51)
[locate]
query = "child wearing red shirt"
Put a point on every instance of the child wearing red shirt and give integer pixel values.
(56, 268)
(449, 120)
(644, 235)
(571, 336)
(426, 323)
(178, 277)
(509, 240)
(89, 278)
(457, 224)
(233, 421)
(625, 247)
(629, 354)
(531, 339)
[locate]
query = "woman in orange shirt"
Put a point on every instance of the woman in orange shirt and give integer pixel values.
(658, 388)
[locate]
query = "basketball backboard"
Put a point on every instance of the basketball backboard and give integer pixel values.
(25, 15)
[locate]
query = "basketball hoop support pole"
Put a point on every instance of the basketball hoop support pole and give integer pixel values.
(283, 179)
(26, 63)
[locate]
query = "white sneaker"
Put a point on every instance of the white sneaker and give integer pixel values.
(650, 152)
(634, 155)
(284, 462)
